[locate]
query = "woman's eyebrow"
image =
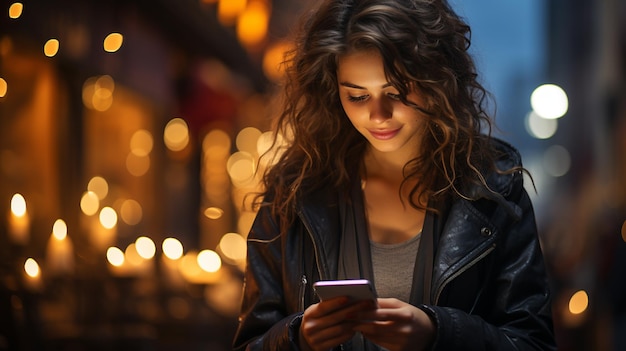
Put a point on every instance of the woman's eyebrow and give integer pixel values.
(354, 86)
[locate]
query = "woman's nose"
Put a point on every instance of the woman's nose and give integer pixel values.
(380, 110)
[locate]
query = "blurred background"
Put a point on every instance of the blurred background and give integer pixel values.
(130, 129)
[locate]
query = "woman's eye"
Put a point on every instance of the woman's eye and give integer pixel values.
(394, 96)
(357, 98)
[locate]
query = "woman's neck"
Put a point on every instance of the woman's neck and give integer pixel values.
(388, 166)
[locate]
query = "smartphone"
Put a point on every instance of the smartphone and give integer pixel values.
(355, 289)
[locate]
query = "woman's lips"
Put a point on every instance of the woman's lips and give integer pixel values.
(384, 134)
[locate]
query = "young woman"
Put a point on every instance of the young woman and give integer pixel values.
(390, 174)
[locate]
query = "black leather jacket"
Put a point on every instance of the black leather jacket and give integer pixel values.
(489, 289)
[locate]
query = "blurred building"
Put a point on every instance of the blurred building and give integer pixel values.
(585, 223)
(128, 131)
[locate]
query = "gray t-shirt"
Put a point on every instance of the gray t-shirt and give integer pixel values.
(393, 266)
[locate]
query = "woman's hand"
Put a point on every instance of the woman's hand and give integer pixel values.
(397, 326)
(329, 323)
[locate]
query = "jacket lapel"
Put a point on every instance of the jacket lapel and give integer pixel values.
(466, 237)
(320, 217)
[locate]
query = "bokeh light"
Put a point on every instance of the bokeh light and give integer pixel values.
(137, 165)
(209, 261)
(247, 139)
(18, 205)
(252, 23)
(113, 42)
(98, 186)
(229, 10)
(172, 248)
(141, 143)
(549, 101)
(132, 256)
(233, 246)
(241, 167)
(115, 256)
(557, 161)
(540, 128)
(4, 87)
(145, 247)
(59, 229)
(15, 10)
(98, 93)
(273, 59)
(51, 47)
(89, 203)
(176, 134)
(131, 212)
(213, 213)
(31, 267)
(108, 217)
(579, 302)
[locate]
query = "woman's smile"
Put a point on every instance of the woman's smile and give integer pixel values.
(384, 134)
(375, 108)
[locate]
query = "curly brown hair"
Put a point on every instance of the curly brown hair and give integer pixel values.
(424, 45)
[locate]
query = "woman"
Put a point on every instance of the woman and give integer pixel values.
(387, 176)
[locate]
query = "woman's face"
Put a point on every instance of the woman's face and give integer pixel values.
(374, 107)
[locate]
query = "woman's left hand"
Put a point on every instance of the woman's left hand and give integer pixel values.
(397, 326)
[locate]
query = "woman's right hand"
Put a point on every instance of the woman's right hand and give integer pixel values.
(327, 324)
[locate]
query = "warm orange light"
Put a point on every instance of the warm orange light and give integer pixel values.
(108, 217)
(137, 165)
(51, 48)
(98, 92)
(31, 267)
(132, 256)
(240, 167)
(115, 256)
(18, 205)
(229, 10)
(213, 213)
(172, 248)
(209, 261)
(131, 212)
(247, 139)
(141, 143)
(99, 186)
(233, 246)
(15, 10)
(273, 59)
(579, 302)
(113, 42)
(59, 229)
(252, 24)
(3, 87)
(176, 134)
(216, 145)
(89, 203)
(145, 247)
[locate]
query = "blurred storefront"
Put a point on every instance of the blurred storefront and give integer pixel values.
(585, 222)
(128, 131)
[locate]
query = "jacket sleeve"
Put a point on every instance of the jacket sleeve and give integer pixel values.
(518, 316)
(263, 322)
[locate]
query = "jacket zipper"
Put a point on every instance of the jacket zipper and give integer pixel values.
(303, 279)
(315, 249)
(303, 284)
(460, 271)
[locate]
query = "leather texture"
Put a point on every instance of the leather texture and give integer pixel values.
(489, 288)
